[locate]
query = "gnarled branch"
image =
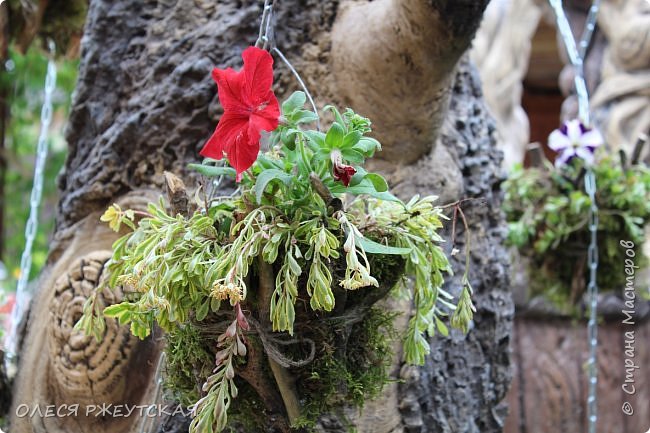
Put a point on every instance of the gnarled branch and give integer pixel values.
(394, 60)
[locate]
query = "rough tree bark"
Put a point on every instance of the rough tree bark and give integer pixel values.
(145, 103)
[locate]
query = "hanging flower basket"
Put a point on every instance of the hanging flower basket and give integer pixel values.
(547, 210)
(269, 297)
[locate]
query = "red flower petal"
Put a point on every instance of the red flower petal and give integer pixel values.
(232, 138)
(267, 119)
(344, 173)
(244, 152)
(230, 127)
(230, 85)
(270, 109)
(241, 319)
(258, 70)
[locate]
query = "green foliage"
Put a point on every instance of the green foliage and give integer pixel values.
(332, 381)
(298, 153)
(210, 413)
(414, 227)
(23, 85)
(169, 264)
(547, 213)
(290, 221)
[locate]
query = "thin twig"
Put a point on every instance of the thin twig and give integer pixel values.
(468, 240)
(461, 201)
(641, 141)
(320, 188)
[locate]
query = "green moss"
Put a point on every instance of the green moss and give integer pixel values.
(189, 361)
(332, 381)
(388, 269)
(336, 378)
(555, 271)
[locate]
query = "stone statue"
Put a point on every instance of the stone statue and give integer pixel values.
(621, 102)
(501, 52)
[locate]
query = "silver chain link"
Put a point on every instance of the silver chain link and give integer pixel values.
(263, 40)
(577, 53)
(592, 295)
(590, 27)
(31, 227)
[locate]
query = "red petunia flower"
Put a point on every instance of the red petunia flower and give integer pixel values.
(250, 106)
(341, 171)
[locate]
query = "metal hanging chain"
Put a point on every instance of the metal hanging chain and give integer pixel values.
(588, 31)
(34, 202)
(577, 53)
(148, 424)
(264, 39)
(592, 295)
(263, 36)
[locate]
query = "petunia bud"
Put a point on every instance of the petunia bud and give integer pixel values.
(340, 171)
(230, 371)
(241, 348)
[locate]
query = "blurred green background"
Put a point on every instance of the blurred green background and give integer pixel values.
(22, 82)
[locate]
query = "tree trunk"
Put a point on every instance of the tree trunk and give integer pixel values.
(145, 103)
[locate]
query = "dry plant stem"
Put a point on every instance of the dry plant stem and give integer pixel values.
(638, 148)
(287, 390)
(320, 188)
(177, 194)
(334, 204)
(284, 380)
(535, 155)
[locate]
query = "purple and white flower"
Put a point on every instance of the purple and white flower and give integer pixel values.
(572, 140)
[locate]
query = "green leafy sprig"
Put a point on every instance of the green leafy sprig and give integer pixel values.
(210, 413)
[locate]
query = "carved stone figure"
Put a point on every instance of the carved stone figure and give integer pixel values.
(622, 99)
(501, 52)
